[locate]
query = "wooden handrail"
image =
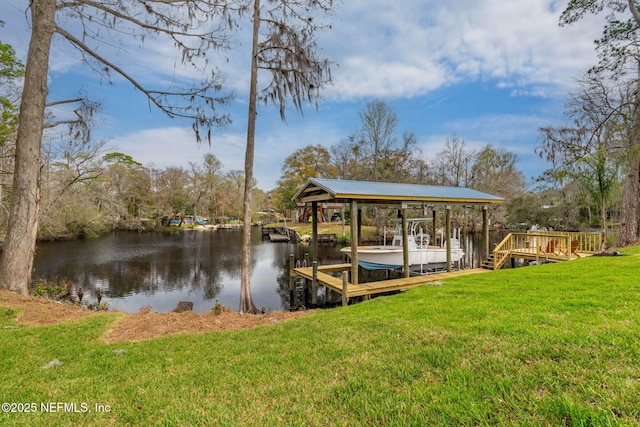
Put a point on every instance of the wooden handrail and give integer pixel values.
(545, 245)
(502, 251)
(590, 243)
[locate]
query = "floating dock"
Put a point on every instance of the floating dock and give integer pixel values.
(277, 237)
(280, 234)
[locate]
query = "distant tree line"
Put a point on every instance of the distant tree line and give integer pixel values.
(88, 189)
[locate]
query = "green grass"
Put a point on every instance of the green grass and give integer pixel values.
(541, 345)
(368, 231)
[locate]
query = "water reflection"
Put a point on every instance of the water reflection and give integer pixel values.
(160, 269)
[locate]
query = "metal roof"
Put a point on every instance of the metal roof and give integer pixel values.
(343, 191)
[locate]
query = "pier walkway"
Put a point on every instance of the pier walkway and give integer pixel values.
(349, 290)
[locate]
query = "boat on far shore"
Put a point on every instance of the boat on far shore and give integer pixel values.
(422, 254)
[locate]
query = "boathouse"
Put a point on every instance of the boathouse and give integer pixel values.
(393, 195)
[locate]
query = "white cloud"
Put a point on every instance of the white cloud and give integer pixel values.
(391, 49)
(402, 49)
(174, 146)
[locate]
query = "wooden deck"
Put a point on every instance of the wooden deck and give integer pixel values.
(533, 254)
(546, 246)
(372, 288)
(277, 237)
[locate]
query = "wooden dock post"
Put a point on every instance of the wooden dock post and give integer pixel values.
(405, 242)
(314, 246)
(314, 284)
(485, 230)
(292, 260)
(345, 284)
(434, 229)
(354, 242)
(447, 228)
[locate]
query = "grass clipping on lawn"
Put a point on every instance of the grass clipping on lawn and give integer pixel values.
(37, 311)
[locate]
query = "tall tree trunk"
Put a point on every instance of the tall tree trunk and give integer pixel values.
(630, 221)
(20, 242)
(629, 216)
(246, 301)
(603, 221)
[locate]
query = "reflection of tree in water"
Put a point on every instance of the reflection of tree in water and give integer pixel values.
(127, 264)
(327, 254)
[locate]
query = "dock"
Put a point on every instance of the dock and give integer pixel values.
(280, 234)
(277, 237)
(327, 238)
(349, 290)
(544, 246)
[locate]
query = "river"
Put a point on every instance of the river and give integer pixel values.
(159, 269)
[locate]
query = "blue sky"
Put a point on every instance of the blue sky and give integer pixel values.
(487, 71)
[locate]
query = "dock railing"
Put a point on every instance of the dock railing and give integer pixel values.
(546, 245)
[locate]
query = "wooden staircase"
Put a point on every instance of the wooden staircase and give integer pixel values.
(535, 246)
(489, 263)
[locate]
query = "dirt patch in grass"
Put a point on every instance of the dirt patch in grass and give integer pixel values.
(39, 311)
(146, 324)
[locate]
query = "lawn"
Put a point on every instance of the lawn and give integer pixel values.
(368, 231)
(541, 345)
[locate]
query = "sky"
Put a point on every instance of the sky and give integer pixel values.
(487, 71)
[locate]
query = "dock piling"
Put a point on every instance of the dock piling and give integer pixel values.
(314, 284)
(292, 260)
(345, 284)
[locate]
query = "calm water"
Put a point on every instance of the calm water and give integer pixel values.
(162, 268)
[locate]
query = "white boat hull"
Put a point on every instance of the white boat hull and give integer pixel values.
(389, 257)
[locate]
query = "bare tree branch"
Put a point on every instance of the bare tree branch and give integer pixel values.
(161, 99)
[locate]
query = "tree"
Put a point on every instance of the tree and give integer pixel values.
(374, 152)
(452, 165)
(347, 159)
(312, 161)
(68, 167)
(210, 168)
(526, 210)
(618, 52)
(11, 69)
(236, 182)
(401, 163)
(173, 190)
(125, 189)
(287, 53)
(204, 185)
(588, 151)
(377, 134)
(494, 171)
(186, 23)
